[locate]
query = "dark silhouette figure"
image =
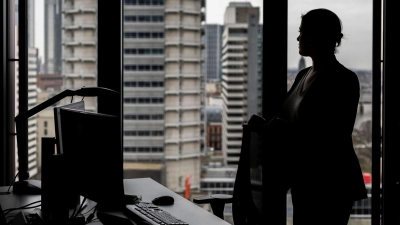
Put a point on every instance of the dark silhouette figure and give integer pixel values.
(317, 119)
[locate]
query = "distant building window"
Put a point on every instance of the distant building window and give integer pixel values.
(142, 35)
(144, 149)
(149, 133)
(45, 124)
(143, 100)
(144, 67)
(130, 2)
(144, 2)
(144, 51)
(45, 132)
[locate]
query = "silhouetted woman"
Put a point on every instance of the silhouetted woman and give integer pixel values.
(319, 112)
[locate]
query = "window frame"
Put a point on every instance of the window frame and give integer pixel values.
(274, 82)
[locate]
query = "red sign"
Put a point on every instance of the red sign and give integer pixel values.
(367, 178)
(187, 186)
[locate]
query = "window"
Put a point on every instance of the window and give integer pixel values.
(355, 56)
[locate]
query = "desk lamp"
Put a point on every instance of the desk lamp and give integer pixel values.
(23, 185)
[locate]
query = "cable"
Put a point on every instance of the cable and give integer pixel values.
(11, 209)
(91, 221)
(90, 217)
(88, 210)
(80, 208)
(8, 191)
(22, 208)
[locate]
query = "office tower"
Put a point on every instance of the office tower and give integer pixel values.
(162, 89)
(240, 75)
(162, 81)
(31, 23)
(32, 102)
(302, 63)
(260, 70)
(52, 35)
(79, 40)
(32, 93)
(213, 49)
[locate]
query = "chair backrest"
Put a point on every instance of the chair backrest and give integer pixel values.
(247, 193)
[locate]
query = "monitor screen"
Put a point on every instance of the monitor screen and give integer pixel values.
(76, 105)
(93, 156)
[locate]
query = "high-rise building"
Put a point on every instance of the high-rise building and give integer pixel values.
(79, 40)
(162, 82)
(32, 102)
(260, 68)
(163, 87)
(52, 36)
(32, 93)
(213, 49)
(302, 63)
(240, 74)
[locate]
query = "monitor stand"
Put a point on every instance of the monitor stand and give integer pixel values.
(27, 187)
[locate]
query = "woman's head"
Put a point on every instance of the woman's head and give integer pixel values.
(320, 31)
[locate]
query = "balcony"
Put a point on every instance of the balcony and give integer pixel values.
(234, 87)
(182, 108)
(189, 43)
(242, 102)
(183, 9)
(184, 59)
(73, 10)
(179, 91)
(239, 95)
(181, 75)
(182, 140)
(74, 26)
(182, 156)
(143, 155)
(73, 74)
(79, 59)
(184, 124)
(186, 26)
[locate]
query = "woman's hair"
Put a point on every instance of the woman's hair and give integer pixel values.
(324, 27)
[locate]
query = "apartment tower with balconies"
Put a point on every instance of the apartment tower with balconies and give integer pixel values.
(79, 46)
(240, 75)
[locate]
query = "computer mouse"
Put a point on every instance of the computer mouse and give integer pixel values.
(163, 200)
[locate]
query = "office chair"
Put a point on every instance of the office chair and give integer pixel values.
(247, 195)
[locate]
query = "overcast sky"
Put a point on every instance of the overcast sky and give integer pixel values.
(356, 16)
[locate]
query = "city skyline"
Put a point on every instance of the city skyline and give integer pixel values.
(356, 49)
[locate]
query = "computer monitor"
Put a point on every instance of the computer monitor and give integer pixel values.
(93, 157)
(77, 106)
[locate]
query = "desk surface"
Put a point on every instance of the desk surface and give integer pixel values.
(148, 189)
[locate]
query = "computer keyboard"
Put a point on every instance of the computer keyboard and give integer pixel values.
(154, 215)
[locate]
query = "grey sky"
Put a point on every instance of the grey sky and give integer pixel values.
(356, 49)
(356, 16)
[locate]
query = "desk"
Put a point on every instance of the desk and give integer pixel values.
(149, 189)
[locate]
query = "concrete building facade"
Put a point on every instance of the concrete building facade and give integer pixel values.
(32, 102)
(163, 88)
(79, 46)
(32, 93)
(240, 79)
(162, 81)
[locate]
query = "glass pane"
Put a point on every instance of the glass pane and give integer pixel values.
(355, 53)
(176, 55)
(163, 85)
(62, 55)
(233, 74)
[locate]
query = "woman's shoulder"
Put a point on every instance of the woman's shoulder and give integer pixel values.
(346, 74)
(302, 72)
